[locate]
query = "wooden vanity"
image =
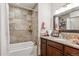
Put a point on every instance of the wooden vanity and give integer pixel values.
(52, 48)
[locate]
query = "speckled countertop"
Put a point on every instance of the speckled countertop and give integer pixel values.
(62, 41)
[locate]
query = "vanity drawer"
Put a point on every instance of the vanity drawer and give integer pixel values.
(43, 40)
(55, 45)
(71, 51)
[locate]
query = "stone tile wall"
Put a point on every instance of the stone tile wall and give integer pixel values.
(19, 22)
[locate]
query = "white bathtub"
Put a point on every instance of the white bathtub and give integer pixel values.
(23, 49)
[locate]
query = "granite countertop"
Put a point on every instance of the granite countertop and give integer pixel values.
(62, 41)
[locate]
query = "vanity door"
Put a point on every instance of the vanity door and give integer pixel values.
(43, 47)
(69, 51)
(54, 49)
(51, 51)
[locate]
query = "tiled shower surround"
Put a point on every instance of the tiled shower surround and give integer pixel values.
(20, 22)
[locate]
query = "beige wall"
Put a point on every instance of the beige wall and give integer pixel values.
(44, 15)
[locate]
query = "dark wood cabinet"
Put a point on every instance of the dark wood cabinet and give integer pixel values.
(55, 45)
(69, 51)
(54, 49)
(43, 47)
(51, 48)
(51, 51)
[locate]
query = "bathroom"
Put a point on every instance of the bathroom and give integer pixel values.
(39, 29)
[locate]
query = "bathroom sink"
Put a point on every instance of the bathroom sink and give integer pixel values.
(69, 41)
(76, 42)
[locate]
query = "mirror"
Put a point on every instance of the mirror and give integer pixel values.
(73, 23)
(66, 23)
(67, 20)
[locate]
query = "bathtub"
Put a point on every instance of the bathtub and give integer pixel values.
(23, 49)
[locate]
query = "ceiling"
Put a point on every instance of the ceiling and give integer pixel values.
(56, 6)
(25, 5)
(31, 6)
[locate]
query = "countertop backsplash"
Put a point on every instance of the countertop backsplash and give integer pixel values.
(70, 36)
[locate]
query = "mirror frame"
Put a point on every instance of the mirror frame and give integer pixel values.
(69, 31)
